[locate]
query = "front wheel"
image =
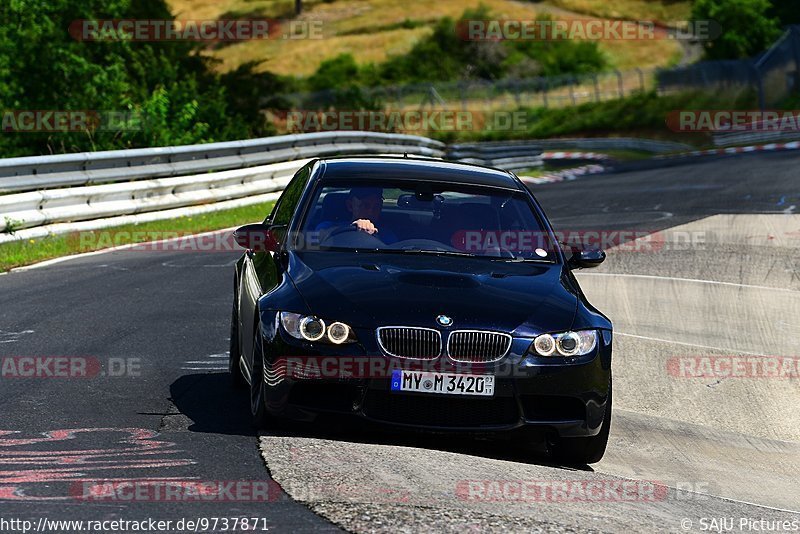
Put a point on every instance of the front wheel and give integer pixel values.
(585, 450)
(257, 386)
(235, 353)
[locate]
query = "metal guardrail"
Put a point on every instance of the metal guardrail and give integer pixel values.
(753, 137)
(517, 155)
(87, 168)
(155, 179)
(49, 206)
(510, 156)
(64, 193)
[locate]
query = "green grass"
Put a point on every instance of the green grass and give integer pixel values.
(639, 115)
(374, 30)
(19, 253)
(626, 155)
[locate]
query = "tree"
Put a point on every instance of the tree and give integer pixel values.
(171, 89)
(746, 27)
(787, 11)
(298, 7)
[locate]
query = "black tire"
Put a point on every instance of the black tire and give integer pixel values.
(257, 386)
(585, 450)
(235, 353)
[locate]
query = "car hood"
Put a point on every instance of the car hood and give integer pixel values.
(368, 290)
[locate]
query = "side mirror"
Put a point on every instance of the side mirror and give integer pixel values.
(257, 237)
(585, 258)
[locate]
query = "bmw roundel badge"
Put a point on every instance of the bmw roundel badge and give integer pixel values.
(444, 320)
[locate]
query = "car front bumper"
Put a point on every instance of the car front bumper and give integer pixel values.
(565, 396)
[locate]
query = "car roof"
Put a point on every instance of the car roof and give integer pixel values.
(415, 169)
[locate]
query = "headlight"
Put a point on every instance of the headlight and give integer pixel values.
(545, 344)
(310, 328)
(338, 332)
(565, 344)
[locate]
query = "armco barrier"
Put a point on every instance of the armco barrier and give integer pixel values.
(36, 208)
(87, 168)
(56, 194)
(153, 180)
(753, 137)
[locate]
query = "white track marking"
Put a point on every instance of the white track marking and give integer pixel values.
(53, 261)
(691, 280)
(711, 495)
(688, 344)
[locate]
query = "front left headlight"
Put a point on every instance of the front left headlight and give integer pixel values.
(312, 328)
(566, 344)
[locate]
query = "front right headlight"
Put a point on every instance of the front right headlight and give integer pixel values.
(565, 344)
(311, 328)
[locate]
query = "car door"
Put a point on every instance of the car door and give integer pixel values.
(262, 270)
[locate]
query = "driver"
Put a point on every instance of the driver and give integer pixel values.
(364, 205)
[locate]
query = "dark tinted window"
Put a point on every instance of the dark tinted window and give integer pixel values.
(287, 204)
(409, 217)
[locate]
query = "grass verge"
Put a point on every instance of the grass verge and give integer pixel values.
(29, 251)
(643, 114)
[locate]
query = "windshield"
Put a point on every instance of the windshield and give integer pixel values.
(422, 218)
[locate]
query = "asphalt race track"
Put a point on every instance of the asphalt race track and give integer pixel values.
(722, 280)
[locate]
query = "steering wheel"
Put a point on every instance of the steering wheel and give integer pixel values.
(342, 230)
(349, 229)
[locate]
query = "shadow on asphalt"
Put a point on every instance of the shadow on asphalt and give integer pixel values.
(214, 406)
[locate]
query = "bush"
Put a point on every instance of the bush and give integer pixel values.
(746, 27)
(168, 84)
(639, 113)
(446, 56)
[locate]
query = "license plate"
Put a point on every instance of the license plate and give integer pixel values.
(443, 383)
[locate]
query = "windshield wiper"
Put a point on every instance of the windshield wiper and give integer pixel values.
(524, 260)
(438, 252)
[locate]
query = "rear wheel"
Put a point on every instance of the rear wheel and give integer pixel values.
(585, 450)
(257, 386)
(234, 353)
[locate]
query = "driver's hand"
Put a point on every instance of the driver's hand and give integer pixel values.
(365, 225)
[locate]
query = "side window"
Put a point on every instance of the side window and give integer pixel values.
(287, 204)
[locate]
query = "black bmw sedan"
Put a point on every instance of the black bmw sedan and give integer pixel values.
(421, 294)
